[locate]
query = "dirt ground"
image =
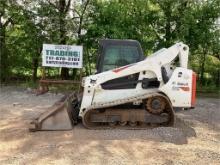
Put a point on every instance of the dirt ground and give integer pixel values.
(195, 139)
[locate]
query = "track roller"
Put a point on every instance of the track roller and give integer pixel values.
(122, 123)
(133, 123)
(112, 124)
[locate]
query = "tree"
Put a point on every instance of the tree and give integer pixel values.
(26, 25)
(6, 18)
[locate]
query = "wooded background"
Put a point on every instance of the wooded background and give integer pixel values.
(26, 24)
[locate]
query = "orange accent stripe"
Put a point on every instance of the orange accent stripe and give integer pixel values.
(185, 88)
(120, 69)
(193, 94)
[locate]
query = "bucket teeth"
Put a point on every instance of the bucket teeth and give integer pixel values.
(33, 126)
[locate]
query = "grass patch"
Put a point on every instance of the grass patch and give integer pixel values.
(208, 91)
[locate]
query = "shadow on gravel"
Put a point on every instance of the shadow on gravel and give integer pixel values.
(205, 114)
(178, 134)
(185, 128)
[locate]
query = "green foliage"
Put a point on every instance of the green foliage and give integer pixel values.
(27, 24)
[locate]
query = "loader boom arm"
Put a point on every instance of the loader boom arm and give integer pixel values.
(165, 56)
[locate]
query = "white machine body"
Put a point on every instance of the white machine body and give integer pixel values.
(179, 88)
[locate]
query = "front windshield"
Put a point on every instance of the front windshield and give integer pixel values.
(118, 55)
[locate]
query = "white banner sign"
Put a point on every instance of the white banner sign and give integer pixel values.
(62, 56)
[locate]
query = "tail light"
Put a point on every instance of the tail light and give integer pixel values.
(193, 94)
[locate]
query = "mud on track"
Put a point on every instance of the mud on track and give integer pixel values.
(195, 139)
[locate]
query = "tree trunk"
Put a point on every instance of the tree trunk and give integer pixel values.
(65, 73)
(62, 8)
(217, 83)
(88, 62)
(4, 69)
(168, 34)
(74, 73)
(202, 68)
(79, 40)
(35, 67)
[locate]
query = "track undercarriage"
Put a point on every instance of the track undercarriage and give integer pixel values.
(155, 111)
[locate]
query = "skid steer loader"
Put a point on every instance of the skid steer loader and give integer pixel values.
(128, 91)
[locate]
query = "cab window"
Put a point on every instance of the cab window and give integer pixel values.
(117, 56)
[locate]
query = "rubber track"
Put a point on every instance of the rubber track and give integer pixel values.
(145, 125)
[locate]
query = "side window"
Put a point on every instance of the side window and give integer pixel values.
(117, 56)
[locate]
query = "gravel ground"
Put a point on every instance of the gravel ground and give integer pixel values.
(195, 139)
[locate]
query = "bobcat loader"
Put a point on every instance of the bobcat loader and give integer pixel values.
(128, 91)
